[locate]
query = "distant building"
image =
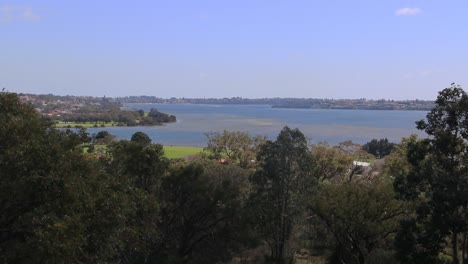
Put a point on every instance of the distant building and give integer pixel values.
(361, 163)
(361, 167)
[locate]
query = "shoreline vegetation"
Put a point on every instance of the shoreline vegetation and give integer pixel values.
(119, 118)
(300, 103)
(87, 112)
(51, 103)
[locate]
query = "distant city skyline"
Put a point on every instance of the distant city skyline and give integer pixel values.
(390, 49)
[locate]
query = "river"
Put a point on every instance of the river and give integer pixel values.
(333, 126)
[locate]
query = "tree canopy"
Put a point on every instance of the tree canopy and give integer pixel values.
(281, 181)
(438, 179)
(379, 148)
(276, 201)
(141, 138)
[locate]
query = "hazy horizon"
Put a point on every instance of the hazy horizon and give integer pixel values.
(400, 50)
(248, 98)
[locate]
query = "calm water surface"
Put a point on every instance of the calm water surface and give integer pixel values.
(332, 126)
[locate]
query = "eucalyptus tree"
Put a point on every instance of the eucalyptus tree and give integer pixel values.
(49, 192)
(361, 216)
(282, 180)
(138, 169)
(237, 146)
(438, 177)
(354, 217)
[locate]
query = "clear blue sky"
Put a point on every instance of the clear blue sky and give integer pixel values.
(393, 49)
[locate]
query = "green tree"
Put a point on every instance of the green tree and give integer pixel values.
(330, 163)
(103, 137)
(46, 186)
(235, 145)
(143, 164)
(396, 163)
(102, 134)
(379, 148)
(438, 178)
(280, 183)
(141, 138)
(139, 170)
(201, 217)
(361, 216)
(161, 117)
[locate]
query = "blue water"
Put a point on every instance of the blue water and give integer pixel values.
(333, 126)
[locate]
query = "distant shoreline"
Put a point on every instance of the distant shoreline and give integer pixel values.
(293, 103)
(357, 108)
(363, 107)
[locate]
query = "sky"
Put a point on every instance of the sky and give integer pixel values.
(384, 49)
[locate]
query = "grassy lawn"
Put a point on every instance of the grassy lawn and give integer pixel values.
(174, 152)
(85, 125)
(171, 152)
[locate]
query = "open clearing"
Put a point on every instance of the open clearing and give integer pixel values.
(174, 152)
(85, 124)
(171, 152)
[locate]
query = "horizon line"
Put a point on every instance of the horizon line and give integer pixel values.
(220, 98)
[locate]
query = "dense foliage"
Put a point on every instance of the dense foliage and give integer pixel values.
(235, 146)
(277, 201)
(437, 180)
(379, 148)
(83, 109)
(117, 116)
(280, 185)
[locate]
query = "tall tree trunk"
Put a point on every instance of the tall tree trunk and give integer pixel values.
(455, 248)
(280, 256)
(464, 249)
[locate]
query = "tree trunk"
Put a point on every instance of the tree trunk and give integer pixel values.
(464, 249)
(455, 248)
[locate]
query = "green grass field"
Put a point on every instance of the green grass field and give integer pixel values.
(174, 152)
(85, 125)
(171, 152)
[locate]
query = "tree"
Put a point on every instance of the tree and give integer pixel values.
(143, 164)
(139, 170)
(280, 183)
(141, 138)
(237, 146)
(102, 134)
(355, 218)
(379, 148)
(160, 117)
(330, 163)
(46, 190)
(103, 137)
(396, 163)
(438, 178)
(201, 217)
(362, 216)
